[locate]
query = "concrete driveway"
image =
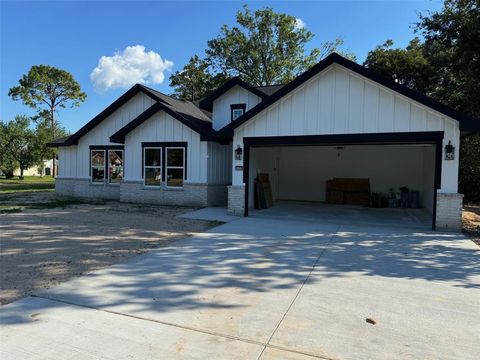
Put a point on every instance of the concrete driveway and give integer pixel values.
(264, 288)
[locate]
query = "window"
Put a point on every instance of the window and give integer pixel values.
(175, 166)
(237, 110)
(236, 113)
(115, 166)
(152, 166)
(106, 164)
(98, 165)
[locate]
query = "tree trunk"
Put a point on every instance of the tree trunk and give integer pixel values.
(21, 173)
(52, 119)
(8, 174)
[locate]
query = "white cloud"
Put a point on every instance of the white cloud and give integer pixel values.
(299, 24)
(132, 65)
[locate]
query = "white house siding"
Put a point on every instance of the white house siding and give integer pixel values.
(339, 101)
(219, 163)
(67, 161)
(221, 113)
(100, 135)
(161, 127)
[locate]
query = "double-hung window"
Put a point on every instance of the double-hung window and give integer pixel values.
(164, 163)
(106, 165)
(152, 170)
(115, 166)
(175, 166)
(98, 166)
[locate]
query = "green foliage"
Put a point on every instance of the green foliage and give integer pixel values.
(7, 163)
(20, 143)
(452, 46)
(447, 67)
(195, 80)
(407, 66)
(264, 48)
(470, 168)
(47, 86)
(43, 135)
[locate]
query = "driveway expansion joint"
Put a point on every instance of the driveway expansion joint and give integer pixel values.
(184, 327)
(298, 294)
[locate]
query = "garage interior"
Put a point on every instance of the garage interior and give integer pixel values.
(302, 179)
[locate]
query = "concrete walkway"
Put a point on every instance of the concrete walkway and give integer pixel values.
(263, 288)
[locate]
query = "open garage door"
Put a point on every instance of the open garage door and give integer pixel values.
(300, 167)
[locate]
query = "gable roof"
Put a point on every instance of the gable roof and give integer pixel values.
(467, 123)
(186, 112)
(207, 102)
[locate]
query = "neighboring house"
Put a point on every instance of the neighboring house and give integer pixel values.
(45, 170)
(338, 119)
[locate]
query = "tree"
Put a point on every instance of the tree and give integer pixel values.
(407, 66)
(195, 80)
(452, 46)
(452, 38)
(265, 48)
(43, 130)
(20, 144)
(46, 88)
(445, 66)
(7, 162)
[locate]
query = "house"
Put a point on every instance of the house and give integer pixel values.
(44, 170)
(336, 120)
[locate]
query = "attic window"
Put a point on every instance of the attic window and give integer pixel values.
(237, 110)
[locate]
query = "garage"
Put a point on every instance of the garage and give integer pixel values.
(340, 122)
(389, 171)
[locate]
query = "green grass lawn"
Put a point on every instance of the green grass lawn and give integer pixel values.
(28, 184)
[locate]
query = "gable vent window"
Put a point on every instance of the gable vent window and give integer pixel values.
(237, 110)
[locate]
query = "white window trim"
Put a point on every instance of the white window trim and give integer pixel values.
(152, 167)
(91, 167)
(174, 167)
(233, 112)
(108, 166)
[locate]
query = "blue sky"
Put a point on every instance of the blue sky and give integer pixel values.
(74, 35)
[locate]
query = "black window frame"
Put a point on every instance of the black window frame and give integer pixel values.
(105, 149)
(237, 107)
(164, 145)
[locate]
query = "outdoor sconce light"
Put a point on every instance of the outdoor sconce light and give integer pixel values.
(238, 153)
(449, 151)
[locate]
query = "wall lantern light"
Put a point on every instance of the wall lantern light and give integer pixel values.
(238, 153)
(449, 151)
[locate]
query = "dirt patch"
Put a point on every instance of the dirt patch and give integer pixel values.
(42, 248)
(471, 222)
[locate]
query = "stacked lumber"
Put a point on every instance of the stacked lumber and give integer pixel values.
(262, 192)
(348, 191)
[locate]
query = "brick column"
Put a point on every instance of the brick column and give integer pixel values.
(236, 200)
(449, 212)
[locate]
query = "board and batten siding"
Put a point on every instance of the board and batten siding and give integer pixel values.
(74, 161)
(221, 112)
(340, 101)
(219, 164)
(162, 127)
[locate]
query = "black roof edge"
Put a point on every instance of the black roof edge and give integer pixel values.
(63, 141)
(205, 135)
(207, 102)
(130, 93)
(467, 123)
